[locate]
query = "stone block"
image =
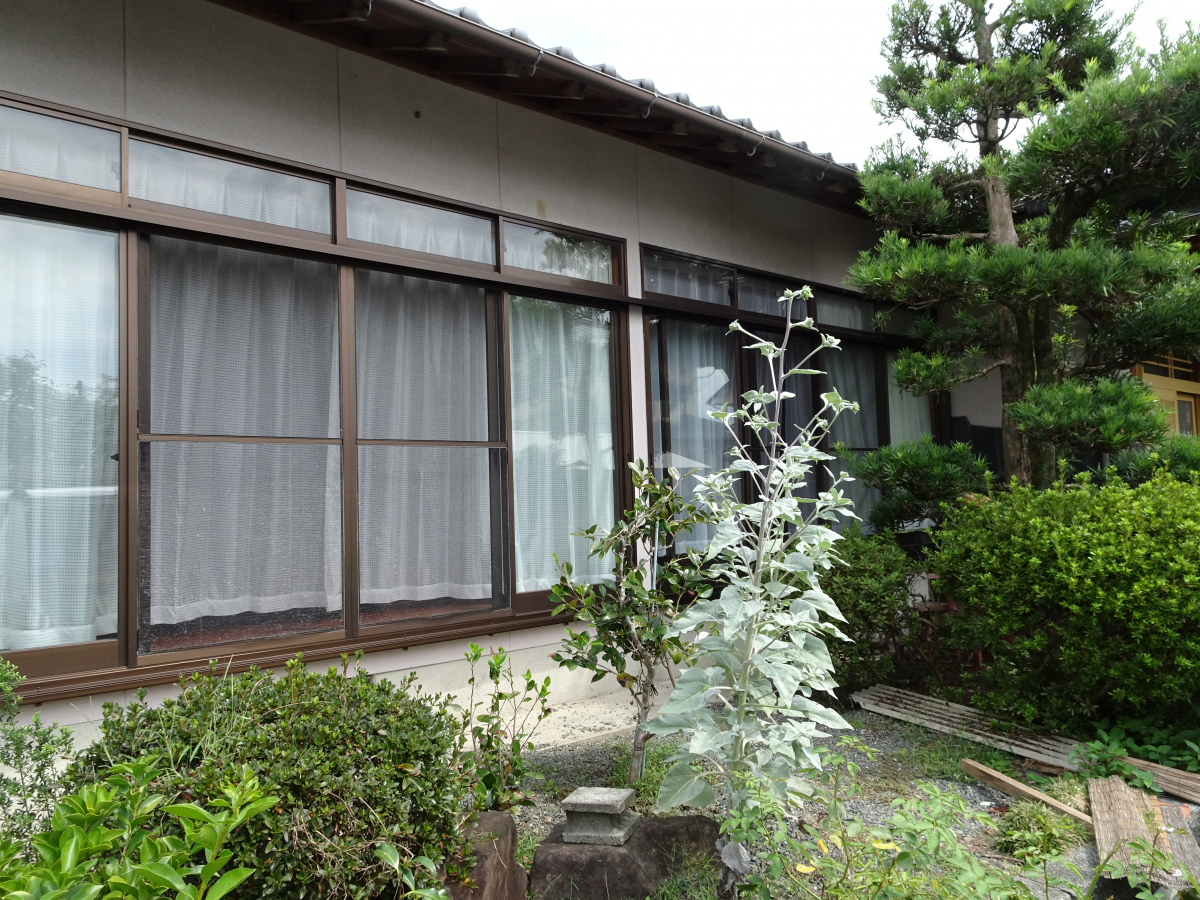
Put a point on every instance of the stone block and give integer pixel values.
(657, 849)
(497, 874)
(610, 801)
(599, 816)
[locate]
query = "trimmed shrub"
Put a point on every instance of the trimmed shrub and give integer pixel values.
(1085, 599)
(1179, 454)
(918, 480)
(872, 588)
(353, 763)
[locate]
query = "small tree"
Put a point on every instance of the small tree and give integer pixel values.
(631, 611)
(764, 636)
(916, 479)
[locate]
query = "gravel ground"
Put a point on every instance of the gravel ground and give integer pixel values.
(905, 755)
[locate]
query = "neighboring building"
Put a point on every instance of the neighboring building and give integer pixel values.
(1176, 383)
(323, 325)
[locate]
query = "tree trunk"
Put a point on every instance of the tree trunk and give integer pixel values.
(637, 760)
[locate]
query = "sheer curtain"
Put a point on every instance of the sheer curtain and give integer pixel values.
(558, 254)
(48, 147)
(413, 226)
(908, 415)
(207, 184)
(687, 278)
(425, 513)
(851, 372)
(242, 343)
(563, 475)
(693, 372)
(58, 434)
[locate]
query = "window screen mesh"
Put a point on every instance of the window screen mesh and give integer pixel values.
(48, 147)
(422, 359)
(241, 342)
(425, 531)
(243, 541)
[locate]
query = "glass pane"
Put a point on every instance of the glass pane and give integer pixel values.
(864, 496)
(58, 149)
(562, 437)
(1184, 422)
(765, 296)
(557, 254)
(424, 531)
(687, 278)
(207, 184)
(58, 434)
(242, 342)
(900, 321)
(846, 312)
(422, 358)
(908, 415)
(693, 372)
(242, 542)
(851, 372)
(412, 226)
(797, 410)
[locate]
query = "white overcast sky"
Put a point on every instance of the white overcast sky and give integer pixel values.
(801, 66)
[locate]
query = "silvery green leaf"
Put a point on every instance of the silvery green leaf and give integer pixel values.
(786, 678)
(736, 857)
(710, 741)
(823, 602)
(819, 713)
(801, 788)
(671, 723)
(815, 647)
(683, 786)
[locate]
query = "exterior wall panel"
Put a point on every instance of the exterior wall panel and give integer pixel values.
(684, 207)
(203, 70)
(69, 52)
(773, 231)
(449, 150)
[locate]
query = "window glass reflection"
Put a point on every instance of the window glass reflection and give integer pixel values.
(59, 149)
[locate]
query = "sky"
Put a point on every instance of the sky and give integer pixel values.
(803, 67)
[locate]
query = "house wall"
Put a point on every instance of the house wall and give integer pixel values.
(201, 70)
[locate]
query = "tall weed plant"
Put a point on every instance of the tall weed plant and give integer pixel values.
(746, 697)
(1084, 598)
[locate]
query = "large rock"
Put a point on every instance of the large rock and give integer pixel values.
(497, 874)
(655, 850)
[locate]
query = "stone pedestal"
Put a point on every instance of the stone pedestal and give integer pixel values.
(497, 874)
(599, 816)
(657, 849)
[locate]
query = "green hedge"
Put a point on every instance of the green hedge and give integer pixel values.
(353, 763)
(1084, 598)
(871, 587)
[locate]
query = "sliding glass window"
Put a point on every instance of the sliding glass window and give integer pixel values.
(559, 253)
(562, 437)
(58, 434)
(240, 475)
(693, 371)
(59, 149)
(207, 184)
(431, 465)
(374, 219)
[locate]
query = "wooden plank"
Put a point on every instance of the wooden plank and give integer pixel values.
(969, 723)
(1183, 844)
(1122, 814)
(1014, 788)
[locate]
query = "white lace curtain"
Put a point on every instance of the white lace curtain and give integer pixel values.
(563, 467)
(242, 343)
(58, 434)
(48, 147)
(412, 226)
(700, 376)
(424, 512)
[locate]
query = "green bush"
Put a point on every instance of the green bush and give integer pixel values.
(1084, 598)
(1179, 454)
(916, 480)
(872, 587)
(29, 757)
(354, 764)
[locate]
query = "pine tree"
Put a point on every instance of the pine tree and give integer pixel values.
(1062, 263)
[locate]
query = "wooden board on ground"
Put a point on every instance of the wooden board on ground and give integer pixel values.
(1122, 814)
(1014, 788)
(1183, 844)
(969, 723)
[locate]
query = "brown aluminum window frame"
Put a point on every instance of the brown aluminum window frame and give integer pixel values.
(617, 289)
